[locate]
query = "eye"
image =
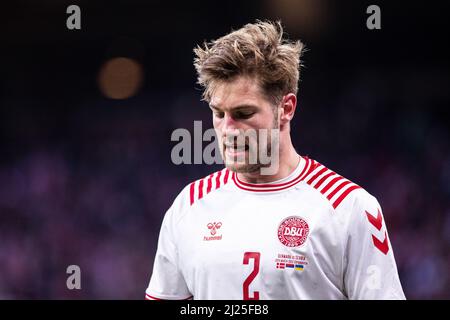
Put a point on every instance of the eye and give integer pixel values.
(244, 114)
(218, 114)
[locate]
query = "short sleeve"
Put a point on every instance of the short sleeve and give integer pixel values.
(167, 281)
(370, 271)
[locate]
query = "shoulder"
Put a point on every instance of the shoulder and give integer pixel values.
(200, 189)
(338, 191)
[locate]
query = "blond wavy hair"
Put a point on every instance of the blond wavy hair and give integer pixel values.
(257, 50)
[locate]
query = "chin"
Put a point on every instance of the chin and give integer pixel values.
(242, 168)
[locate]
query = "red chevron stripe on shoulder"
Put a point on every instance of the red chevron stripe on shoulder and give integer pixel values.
(345, 194)
(333, 186)
(198, 189)
(310, 166)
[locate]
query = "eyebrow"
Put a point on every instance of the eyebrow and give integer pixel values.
(238, 107)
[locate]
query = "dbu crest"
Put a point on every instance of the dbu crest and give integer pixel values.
(293, 231)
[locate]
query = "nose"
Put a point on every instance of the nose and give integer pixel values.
(230, 127)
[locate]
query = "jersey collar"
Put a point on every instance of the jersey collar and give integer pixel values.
(304, 167)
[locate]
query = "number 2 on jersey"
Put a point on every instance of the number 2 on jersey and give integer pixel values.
(256, 257)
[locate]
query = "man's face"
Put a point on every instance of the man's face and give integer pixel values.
(241, 117)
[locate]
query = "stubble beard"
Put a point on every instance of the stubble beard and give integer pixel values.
(245, 166)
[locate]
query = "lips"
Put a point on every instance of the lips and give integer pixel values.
(237, 148)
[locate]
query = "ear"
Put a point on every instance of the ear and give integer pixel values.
(288, 105)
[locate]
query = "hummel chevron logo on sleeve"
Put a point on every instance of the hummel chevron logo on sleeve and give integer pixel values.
(377, 222)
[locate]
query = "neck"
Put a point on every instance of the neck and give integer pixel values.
(288, 161)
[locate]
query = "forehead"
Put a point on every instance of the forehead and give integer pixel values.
(240, 91)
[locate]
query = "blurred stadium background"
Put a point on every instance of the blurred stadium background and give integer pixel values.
(86, 118)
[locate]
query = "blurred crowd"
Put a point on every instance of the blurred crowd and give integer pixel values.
(96, 197)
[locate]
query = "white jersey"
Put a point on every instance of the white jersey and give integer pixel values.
(311, 235)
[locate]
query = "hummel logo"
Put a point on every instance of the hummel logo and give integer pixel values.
(213, 226)
(377, 222)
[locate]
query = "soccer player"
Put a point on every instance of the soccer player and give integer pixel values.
(301, 231)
